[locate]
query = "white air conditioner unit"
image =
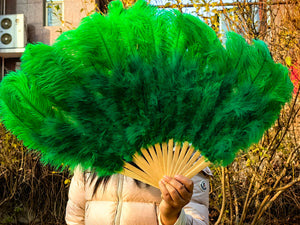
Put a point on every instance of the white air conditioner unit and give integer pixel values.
(12, 31)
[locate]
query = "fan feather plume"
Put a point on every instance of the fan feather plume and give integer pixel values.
(140, 76)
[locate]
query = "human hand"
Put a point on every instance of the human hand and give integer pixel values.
(176, 193)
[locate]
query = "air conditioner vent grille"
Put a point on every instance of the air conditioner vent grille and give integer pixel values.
(6, 23)
(6, 39)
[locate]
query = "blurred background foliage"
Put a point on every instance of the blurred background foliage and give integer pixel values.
(261, 186)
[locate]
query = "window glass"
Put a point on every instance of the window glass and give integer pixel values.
(54, 12)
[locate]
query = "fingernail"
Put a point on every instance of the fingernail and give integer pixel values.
(162, 181)
(166, 178)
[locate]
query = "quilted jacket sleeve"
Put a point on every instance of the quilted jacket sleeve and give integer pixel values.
(76, 204)
(196, 212)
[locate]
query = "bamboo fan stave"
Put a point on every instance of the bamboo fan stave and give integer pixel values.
(165, 159)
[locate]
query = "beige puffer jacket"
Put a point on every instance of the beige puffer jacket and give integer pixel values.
(122, 202)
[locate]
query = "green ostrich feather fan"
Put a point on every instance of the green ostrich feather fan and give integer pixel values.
(121, 82)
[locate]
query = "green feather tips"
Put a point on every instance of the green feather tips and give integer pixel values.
(140, 76)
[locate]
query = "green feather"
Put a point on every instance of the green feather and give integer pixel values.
(136, 77)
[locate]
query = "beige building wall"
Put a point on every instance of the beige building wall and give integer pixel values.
(34, 11)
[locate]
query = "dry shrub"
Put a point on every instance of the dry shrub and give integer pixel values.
(263, 185)
(30, 192)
